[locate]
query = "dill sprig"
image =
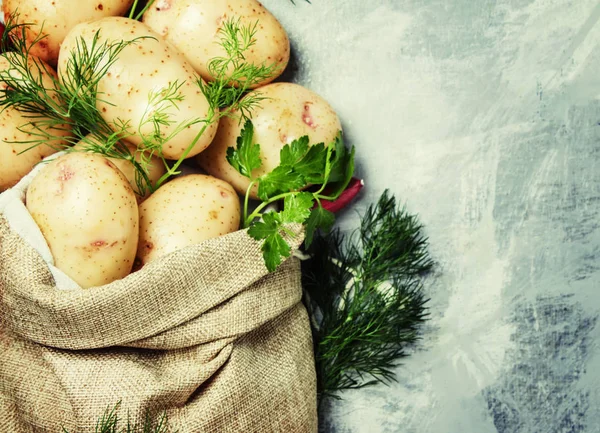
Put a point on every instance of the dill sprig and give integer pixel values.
(71, 103)
(365, 298)
(232, 76)
(68, 104)
(110, 422)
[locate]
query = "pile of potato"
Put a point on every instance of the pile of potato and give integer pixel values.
(85, 205)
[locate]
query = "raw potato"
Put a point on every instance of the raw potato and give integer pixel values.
(57, 18)
(193, 27)
(15, 160)
(155, 171)
(186, 211)
(88, 214)
(146, 67)
(289, 111)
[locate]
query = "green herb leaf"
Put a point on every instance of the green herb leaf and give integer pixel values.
(246, 156)
(312, 165)
(301, 165)
(292, 153)
(297, 207)
(345, 169)
(281, 180)
(274, 246)
(319, 218)
(339, 161)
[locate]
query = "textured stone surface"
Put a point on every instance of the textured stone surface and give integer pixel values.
(484, 117)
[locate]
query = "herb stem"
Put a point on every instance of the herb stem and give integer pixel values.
(246, 200)
(148, 4)
(260, 207)
(173, 169)
(133, 8)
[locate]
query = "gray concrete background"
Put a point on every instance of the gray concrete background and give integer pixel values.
(483, 115)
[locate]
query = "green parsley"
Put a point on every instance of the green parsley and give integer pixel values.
(301, 166)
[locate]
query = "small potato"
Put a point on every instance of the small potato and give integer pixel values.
(186, 211)
(88, 214)
(156, 167)
(289, 111)
(135, 85)
(193, 27)
(55, 18)
(17, 156)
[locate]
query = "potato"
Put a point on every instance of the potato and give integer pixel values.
(88, 214)
(15, 160)
(149, 66)
(289, 111)
(55, 18)
(156, 168)
(193, 27)
(186, 211)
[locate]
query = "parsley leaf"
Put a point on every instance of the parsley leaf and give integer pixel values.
(282, 179)
(296, 207)
(292, 153)
(340, 157)
(300, 165)
(312, 165)
(274, 246)
(319, 218)
(246, 156)
(345, 170)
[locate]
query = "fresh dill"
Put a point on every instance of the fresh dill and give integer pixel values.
(232, 76)
(364, 294)
(71, 102)
(110, 422)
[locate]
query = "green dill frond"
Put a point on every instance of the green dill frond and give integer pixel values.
(87, 64)
(14, 37)
(110, 422)
(159, 114)
(71, 104)
(232, 76)
(364, 295)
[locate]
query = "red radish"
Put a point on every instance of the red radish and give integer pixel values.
(345, 197)
(2, 28)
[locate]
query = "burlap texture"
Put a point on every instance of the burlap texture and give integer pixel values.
(205, 334)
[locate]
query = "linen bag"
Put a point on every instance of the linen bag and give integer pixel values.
(204, 334)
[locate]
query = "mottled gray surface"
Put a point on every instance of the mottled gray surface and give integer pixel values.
(483, 115)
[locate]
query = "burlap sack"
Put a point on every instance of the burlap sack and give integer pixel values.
(204, 334)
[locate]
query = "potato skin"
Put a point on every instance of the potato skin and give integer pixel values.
(186, 211)
(88, 214)
(193, 27)
(289, 111)
(148, 66)
(155, 170)
(15, 160)
(57, 18)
